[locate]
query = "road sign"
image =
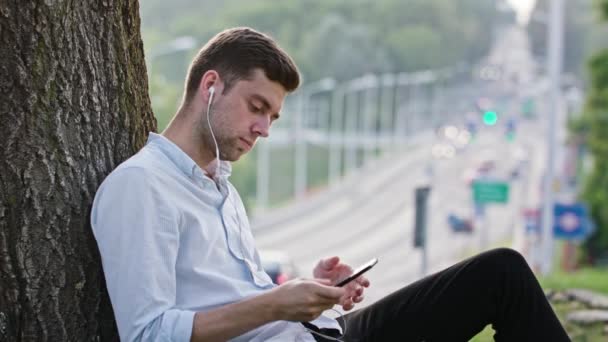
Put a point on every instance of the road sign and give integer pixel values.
(490, 192)
(571, 221)
(532, 220)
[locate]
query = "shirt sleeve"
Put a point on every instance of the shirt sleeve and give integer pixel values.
(137, 233)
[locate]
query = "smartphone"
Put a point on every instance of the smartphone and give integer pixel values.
(359, 271)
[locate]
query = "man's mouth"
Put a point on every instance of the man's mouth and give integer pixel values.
(247, 142)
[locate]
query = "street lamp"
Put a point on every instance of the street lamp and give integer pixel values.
(370, 111)
(335, 136)
(351, 142)
(555, 56)
(301, 163)
(409, 121)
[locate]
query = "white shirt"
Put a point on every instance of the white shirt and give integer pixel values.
(173, 242)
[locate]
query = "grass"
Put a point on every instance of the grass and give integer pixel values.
(595, 279)
(578, 333)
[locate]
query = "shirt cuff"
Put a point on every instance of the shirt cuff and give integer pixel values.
(178, 324)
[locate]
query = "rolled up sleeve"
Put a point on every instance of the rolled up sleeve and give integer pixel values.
(138, 238)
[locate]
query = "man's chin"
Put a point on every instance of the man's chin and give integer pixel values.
(232, 157)
(234, 154)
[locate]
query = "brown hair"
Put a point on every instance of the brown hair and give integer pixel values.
(235, 53)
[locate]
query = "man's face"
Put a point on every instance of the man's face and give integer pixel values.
(243, 114)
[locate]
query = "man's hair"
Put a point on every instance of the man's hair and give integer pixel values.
(235, 53)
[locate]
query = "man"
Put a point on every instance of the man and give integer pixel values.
(180, 261)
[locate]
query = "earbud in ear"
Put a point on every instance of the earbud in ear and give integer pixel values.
(211, 93)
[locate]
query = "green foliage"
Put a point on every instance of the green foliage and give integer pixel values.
(342, 50)
(164, 97)
(599, 66)
(422, 39)
(594, 127)
(342, 39)
(603, 7)
(365, 35)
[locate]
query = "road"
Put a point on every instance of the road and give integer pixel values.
(371, 213)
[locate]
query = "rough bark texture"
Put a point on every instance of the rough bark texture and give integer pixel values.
(73, 104)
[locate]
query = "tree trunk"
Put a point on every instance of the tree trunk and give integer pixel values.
(74, 104)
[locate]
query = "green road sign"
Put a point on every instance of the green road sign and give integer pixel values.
(490, 192)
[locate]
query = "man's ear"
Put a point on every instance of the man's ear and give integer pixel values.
(210, 80)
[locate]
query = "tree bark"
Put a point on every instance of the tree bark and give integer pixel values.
(74, 104)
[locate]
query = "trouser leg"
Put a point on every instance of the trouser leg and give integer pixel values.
(496, 287)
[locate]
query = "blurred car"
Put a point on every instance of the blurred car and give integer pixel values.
(460, 224)
(450, 141)
(484, 167)
(520, 161)
(443, 150)
(279, 266)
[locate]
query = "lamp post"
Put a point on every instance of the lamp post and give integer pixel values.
(555, 51)
(336, 134)
(387, 108)
(371, 86)
(365, 85)
(301, 162)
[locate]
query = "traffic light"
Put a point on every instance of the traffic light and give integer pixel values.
(490, 118)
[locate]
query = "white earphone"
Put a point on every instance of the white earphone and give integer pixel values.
(217, 149)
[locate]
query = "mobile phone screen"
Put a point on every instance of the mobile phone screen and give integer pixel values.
(359, 271)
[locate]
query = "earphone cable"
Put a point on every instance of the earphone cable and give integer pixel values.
(217, 149)
(331, 338)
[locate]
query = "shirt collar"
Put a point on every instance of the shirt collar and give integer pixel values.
(183, 160)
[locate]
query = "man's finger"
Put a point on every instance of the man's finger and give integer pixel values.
(363, 281)
(348, 305)
(348, 301)
(330, 263)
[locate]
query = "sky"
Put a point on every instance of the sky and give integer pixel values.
(523, 8)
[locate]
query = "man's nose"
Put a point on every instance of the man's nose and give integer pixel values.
(261, 127)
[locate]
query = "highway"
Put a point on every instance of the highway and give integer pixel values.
(371, 212)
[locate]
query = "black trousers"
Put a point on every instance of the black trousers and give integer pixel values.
(495, 287)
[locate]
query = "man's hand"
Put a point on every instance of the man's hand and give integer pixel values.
(304, 300)
(333, 270)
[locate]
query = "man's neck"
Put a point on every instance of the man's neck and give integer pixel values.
(182, 133)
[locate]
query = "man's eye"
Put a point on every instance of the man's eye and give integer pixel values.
(255, 109)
